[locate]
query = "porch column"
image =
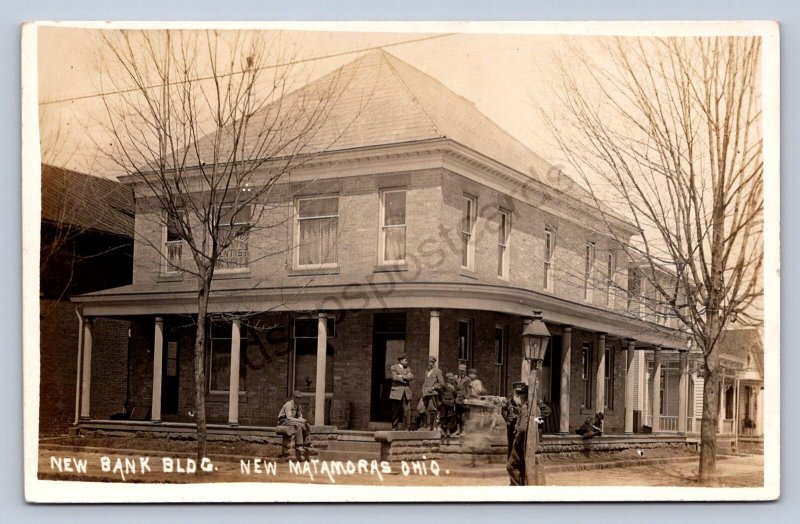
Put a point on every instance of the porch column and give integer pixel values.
(158, 363)
(86, 375)
(600, 376)
(683, 390)
(433, 340)
(525, 368)
(656, 409)
(233, 389)
(322, 344)
(566, 359)
(629, 379)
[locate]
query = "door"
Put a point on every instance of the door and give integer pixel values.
(169, 379)
(388, 343)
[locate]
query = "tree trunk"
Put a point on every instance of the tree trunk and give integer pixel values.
(199, 369)
(710, 421)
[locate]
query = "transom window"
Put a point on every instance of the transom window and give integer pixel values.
(468, 206)
(393, 226)
(503, 233)
(317, 229)
(549, 249)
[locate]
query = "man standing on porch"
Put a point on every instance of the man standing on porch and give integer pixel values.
(432, 387)
(401, 394)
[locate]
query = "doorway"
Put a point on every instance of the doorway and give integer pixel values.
(388, 343)
(170, 387)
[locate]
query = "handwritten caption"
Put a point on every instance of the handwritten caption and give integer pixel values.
(137, 467)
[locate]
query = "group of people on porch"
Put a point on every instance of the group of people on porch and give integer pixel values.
(444, 397)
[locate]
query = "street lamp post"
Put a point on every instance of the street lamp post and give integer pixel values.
(535, 338)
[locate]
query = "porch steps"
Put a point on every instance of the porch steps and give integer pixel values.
(351, 450)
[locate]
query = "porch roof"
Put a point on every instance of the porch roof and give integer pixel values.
(243, 296)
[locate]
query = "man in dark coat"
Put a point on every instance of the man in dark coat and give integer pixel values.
(463, 389)
(401, 394)
(447, 411)
(516, 460)
(432, 387)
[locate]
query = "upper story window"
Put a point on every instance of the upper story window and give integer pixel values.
(317, 231)
(393, 226)
(468, 211)
(549, 250)
(503, 234)
(588, 272)
(611, 268)
(234, 224)
(173, 248)
(634, 291)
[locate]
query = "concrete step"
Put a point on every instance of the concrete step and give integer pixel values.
(353, 445)
(327, 454)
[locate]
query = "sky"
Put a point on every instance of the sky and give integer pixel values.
(510, 78)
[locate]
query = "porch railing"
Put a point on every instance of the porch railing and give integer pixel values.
(668, 423)
(727, 426)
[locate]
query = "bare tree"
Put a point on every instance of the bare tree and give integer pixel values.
(666, 131)
(206, 128)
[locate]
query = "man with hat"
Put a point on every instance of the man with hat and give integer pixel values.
(463, 389)
(516, 461)
(400, 394)
(432, 386)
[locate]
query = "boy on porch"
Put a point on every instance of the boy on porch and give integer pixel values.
(292, 415)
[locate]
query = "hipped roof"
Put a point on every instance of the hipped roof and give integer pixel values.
(382, 100)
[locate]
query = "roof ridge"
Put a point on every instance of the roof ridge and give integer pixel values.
(384, 57)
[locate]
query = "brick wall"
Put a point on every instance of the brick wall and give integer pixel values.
(433, 218)
(58, 353)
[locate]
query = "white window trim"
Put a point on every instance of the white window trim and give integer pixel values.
(166, 269)
(588, 272)
(505, 263)
(549, 270)
(611, 270)
(210, 369)
(471, 242)
(243, 269)
(382, 228)
(296, 234)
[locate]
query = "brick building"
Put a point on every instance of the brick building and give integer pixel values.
(425, 229)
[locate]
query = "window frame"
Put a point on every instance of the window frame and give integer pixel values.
(500, 363)
(549, 256)
(611, 270)
(330, 349)
(468, 349)
(296, 235)
(471, 219)
(242, 357)
(382, 227)
(241, 238)
(167, 268)
(609, 377)
(587, 365)
(589, 258)
(503, 240)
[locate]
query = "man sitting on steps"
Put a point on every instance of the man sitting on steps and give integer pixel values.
(292, 415)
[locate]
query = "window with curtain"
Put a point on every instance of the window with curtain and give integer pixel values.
(317, 223)
(393, 225)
